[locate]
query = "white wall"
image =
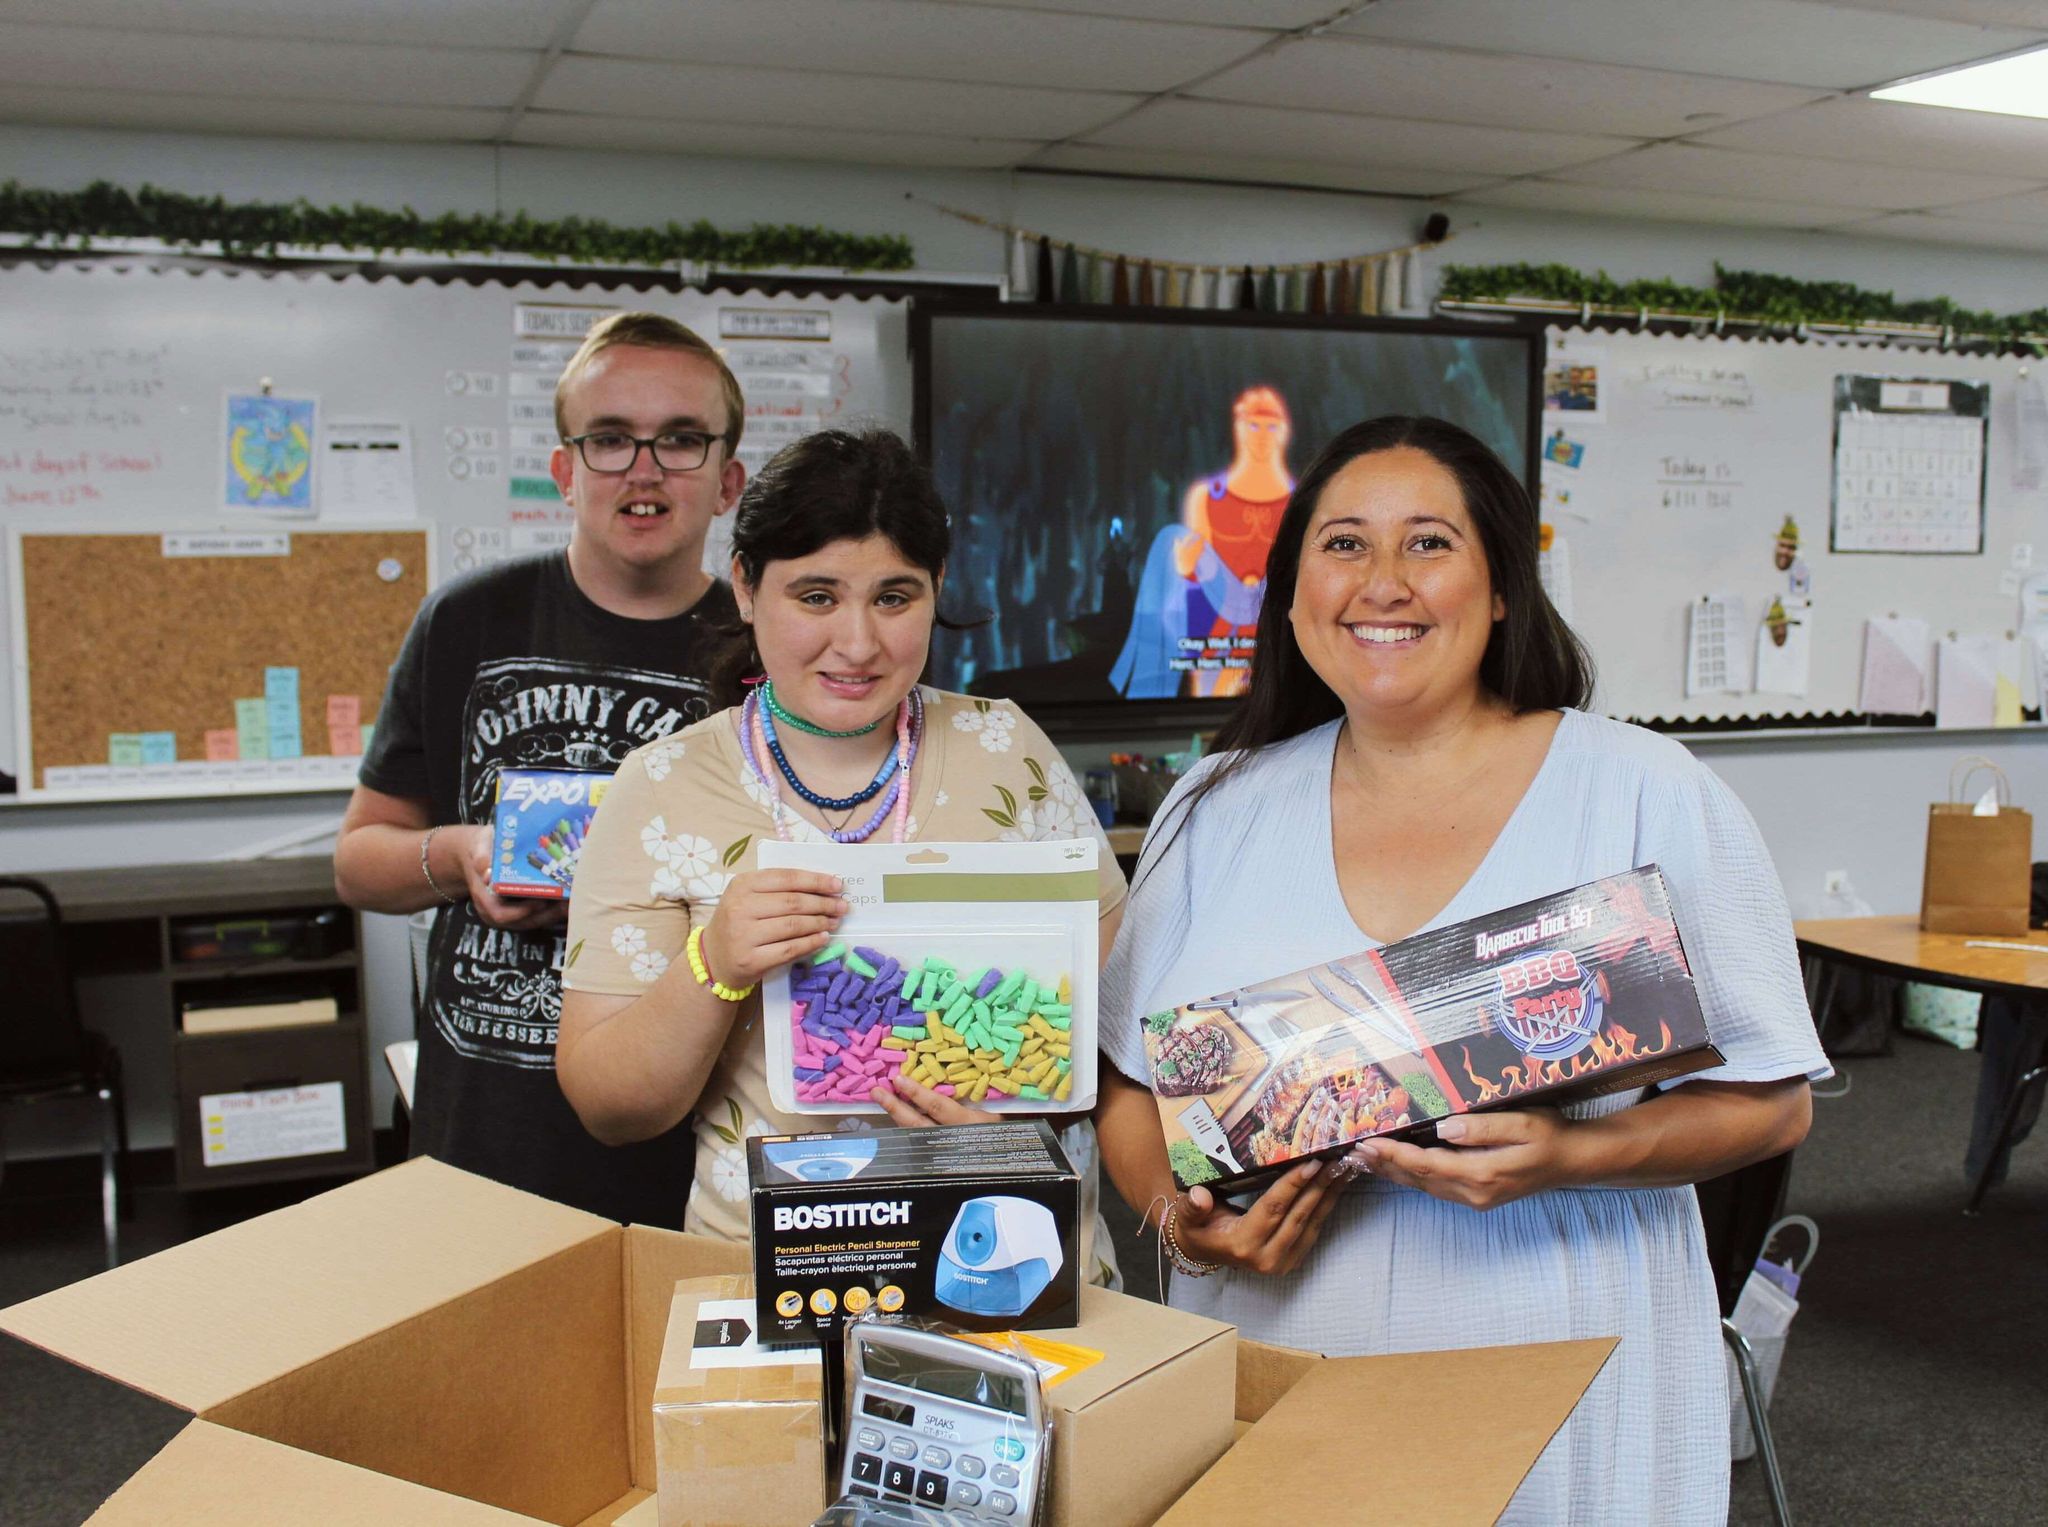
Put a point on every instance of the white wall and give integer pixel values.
(1853, 804)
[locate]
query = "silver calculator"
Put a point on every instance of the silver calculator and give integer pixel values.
(945, 1423)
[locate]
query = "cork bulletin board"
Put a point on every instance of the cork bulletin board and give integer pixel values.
(205, 662)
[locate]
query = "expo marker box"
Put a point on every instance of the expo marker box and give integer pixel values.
(975, 1224)
(1566, 997)
(537, 829)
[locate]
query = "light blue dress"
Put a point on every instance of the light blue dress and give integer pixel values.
(1249, 890)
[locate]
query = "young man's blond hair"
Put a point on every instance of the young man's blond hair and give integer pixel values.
(652, 331)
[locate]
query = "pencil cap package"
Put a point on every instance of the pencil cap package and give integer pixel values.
(1562, 998)
(967, 966)
(538, 827)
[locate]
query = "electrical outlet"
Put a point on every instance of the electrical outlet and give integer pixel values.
(1838, 882)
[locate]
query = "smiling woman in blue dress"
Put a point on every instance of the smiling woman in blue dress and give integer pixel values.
(1413, 751)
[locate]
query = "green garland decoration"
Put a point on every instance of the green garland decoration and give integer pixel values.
(72, 219)
(1744, 296)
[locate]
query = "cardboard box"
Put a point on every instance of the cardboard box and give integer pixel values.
(418, 1346)
(1566, 997)
(426, 1347)
(538, 823)
(978, 1225)
(739, 1429)
(1294, 1405)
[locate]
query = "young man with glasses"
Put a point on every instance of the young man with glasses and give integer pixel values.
(564, 660)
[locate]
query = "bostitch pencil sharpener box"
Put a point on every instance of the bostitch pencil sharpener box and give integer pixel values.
(1562, 998)
(977, 1225)
(537, 829)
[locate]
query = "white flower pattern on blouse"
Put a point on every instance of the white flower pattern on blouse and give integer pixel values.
(649, 965)
(629, 940)
(990, 723)
(656, 842)
(660, 758)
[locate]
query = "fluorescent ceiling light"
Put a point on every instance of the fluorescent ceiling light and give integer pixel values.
(2017, 86)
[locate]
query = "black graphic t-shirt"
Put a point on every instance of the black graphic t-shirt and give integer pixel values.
(515, 667)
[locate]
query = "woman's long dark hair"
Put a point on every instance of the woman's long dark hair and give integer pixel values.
(831, 486)
(1533, 660)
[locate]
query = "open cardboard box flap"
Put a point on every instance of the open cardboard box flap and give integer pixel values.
(215, 1317)
(420, 1330)
(1407, 1407)
(209, 1473)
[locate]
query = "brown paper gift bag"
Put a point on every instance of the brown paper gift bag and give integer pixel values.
(1979, 868)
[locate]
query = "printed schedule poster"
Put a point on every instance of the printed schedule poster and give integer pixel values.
(275, 1125)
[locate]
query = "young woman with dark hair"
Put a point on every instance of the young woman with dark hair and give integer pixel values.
(839, 557)
(1411, 752)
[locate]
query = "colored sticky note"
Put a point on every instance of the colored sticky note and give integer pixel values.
(281, 714)
(281, 684)
(344, 710)
(345, 741)
(159, 748)
(285, 744)
(252, 728)
(222, 745)
(124, 750)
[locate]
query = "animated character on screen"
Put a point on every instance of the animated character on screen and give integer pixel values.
(1205, 577)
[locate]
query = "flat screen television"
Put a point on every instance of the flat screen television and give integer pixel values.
(1115, 476)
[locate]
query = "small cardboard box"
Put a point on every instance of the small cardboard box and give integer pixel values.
(978, 1225)
(1570, 996)
(739, 1429)
(1290, 1406)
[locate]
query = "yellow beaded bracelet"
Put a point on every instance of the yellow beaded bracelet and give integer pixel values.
(724, 993)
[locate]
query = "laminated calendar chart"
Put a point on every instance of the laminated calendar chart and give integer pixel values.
(1909, 465)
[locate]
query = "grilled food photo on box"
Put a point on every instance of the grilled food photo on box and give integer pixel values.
(1562, 998)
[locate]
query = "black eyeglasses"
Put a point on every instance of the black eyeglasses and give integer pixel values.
(610, 450)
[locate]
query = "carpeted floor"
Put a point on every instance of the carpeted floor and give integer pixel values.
(1914, 1388)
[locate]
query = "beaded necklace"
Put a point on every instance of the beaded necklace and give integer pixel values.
(764, 716)
(788, 717)
(909, 733)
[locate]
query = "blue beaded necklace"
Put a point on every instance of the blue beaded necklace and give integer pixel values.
(822, 802)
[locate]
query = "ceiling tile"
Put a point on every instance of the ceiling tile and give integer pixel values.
(2022, 14)
(1780, 40)
(1331, 138)
(1285, 15)
(1689, 167)
(1894, 132)
(1250, 170)
(918, 39)
(2029, 208)
(641, 135)
(452, 23)
(1333, 73)
(100, 58)
(800, 98)
(153, 112)
(1921, 228)
(1555, 196)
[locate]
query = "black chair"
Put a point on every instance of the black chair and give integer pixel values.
(45, 1051)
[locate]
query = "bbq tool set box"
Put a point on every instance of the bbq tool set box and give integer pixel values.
(1570, 996)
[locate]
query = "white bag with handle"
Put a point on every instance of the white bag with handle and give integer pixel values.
(1764, 1314)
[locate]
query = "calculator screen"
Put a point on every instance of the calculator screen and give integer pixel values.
(951, 1381)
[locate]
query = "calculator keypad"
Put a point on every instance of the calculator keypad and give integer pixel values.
(986, 1477)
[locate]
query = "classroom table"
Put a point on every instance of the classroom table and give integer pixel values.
(2008, 965)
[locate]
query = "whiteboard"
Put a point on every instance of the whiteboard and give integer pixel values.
(114, 386)
(1691, 453)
